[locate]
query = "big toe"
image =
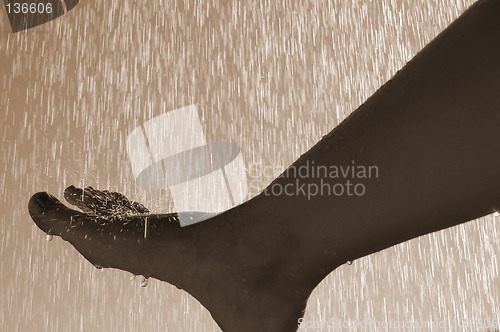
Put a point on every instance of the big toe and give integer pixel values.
(72, 191)
(74, 195)
(89, 200)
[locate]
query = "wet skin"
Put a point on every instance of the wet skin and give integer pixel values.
(234, 273)
(432, 131)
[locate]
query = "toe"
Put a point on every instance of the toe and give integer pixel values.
(47, 212)
(139, 208)
(73, 195)
(103, 203)
(88, 200)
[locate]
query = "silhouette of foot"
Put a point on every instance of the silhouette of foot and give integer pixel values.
(243, 274)
(110, 230)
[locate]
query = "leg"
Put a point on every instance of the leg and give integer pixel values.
(432, 132)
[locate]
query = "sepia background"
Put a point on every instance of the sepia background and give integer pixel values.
(271, 76)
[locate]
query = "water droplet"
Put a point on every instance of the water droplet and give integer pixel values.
(496, 214)
(349, 262)
(144, 282)
(49, 237)
(98, 267)
(132, 277)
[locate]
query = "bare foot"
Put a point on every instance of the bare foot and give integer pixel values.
(244, 276)
(112, 231)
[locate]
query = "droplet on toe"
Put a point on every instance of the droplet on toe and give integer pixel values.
(349, 262)
(49, 237)
(144, 282)
(496, 214)
(98, 267)
(132, 277)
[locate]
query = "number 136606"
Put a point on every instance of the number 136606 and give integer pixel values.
(28, 8)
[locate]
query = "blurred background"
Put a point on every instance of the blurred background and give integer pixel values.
(270, 76)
